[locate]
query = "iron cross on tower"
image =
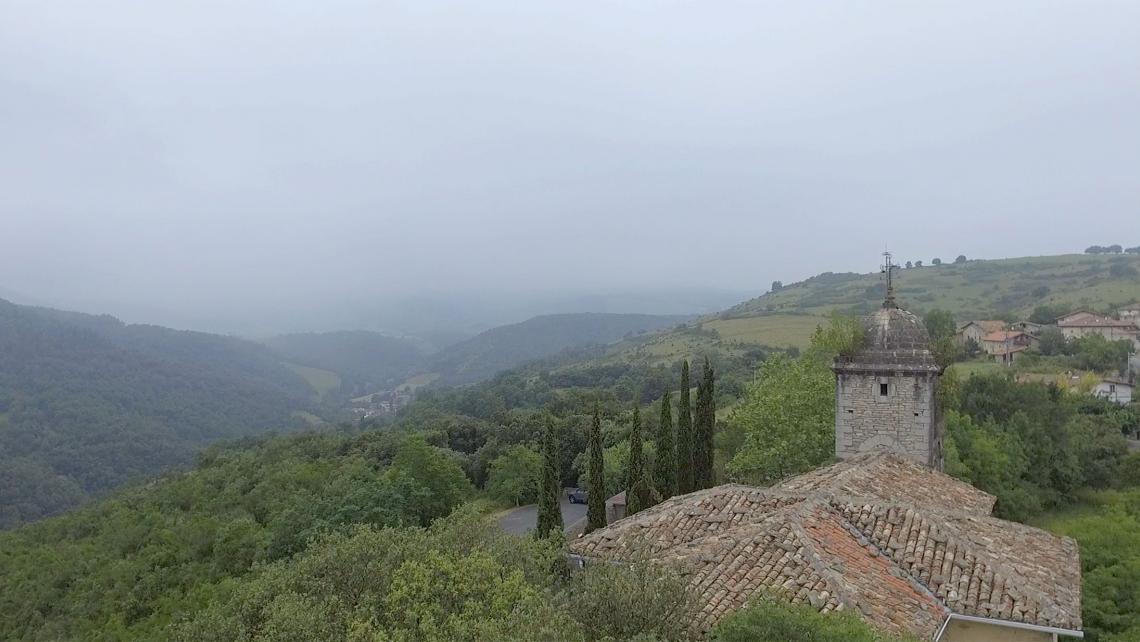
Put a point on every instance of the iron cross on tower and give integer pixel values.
(888, 268)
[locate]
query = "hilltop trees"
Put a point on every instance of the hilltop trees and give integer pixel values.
(636, 487)
(596, 493)
(665, 461)
(549, 510)
(685, 482)
(1110, 249)
(960, 260)
(704, 430)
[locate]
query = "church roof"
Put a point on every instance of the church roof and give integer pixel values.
(900, 544)
(895, 339)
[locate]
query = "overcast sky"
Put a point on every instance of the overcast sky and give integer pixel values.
(213, 155)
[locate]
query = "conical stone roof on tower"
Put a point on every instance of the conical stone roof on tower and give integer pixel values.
(886, 392)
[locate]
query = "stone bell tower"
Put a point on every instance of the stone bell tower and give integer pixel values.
(885, 393)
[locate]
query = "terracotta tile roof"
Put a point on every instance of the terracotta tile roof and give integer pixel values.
(1098, 322)
(901, 544)
(987, 326)
(1006, 335)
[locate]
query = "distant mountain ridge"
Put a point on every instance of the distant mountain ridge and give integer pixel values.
(88, 402)
(504, 347)
(367, 361)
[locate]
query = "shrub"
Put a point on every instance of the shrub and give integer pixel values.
(770, 620)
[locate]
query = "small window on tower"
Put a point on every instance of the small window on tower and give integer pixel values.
(883, 389)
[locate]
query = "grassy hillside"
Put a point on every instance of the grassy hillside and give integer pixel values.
(976, 289)
(88, 402)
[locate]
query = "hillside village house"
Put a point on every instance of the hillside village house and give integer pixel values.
(1027, 327)
(1129, 312)
(976, 330)
(1007, 345)
(998, 341)
(883, 532)
(1083, 323)
(1115, 390)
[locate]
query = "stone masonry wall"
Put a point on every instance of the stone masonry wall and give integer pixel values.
(904, 420)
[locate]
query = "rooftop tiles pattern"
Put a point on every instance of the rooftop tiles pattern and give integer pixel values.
(902, 545)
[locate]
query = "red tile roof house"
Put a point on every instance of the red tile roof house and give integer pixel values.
(882, 533)
(976, 330)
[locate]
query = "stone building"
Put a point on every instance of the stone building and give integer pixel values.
(1083, 324)
(885, 393)
(882, 533)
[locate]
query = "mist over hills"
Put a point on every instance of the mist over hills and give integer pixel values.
(439, 317)
(88, 402)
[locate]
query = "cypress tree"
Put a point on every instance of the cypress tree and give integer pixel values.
(636, 490)
(704, 430)
(665, 465)
(596, 493)
(684, 436)
(549, 511)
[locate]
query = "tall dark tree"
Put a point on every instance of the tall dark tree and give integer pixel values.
(549, 510)
(596, 493)
(665, 464)
(684, 435)
(636, 486)
(704, 430)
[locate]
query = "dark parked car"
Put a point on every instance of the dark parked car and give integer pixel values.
(577, 496)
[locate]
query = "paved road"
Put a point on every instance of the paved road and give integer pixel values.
(521, 520)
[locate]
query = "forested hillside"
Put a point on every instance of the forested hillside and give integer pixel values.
(368, 361)
(507, 346)
(88, 402)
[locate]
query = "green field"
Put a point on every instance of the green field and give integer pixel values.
(772, 330)
(322, 381)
